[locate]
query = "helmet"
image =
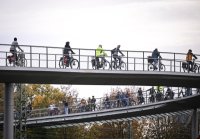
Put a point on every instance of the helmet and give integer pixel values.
(189, 50)
(15, 39)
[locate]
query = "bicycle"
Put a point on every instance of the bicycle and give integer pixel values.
(66, 62)
(153, 67)
(116, 65)
(20, 60)
(103, 63)
(195, 68)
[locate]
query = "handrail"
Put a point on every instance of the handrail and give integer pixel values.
(49, 56)
(102, 104)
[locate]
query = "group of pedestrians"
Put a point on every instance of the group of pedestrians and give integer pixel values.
(87, 105)
(157, 94)
(123, 99)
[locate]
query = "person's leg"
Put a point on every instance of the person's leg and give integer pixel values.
(155, 64)
(119, 58)
(190, 65)
(97, 59)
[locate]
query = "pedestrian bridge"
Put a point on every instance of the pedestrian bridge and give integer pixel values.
(42, 66)
(163, 107)
(97, 77)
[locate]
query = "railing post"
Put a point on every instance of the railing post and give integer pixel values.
(174, 62)
(127, 60)
(6, 61)
(55, 60)
(87, 62)
(79, 59)
(143, 60)
(111, 60)
(47, 56)
(170, 65)
(30, 56)
(134, 63)
(39, 60)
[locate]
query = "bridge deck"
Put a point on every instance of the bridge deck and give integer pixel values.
(97, 77)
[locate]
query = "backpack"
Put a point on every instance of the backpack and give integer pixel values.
(114, 51)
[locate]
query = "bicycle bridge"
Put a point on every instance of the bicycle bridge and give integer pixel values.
(43, 67)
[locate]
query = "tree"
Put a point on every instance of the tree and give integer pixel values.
(42, 95)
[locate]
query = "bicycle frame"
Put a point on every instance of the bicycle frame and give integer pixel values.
(19, 60)
(186, 66)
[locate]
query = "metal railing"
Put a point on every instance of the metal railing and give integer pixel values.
(83, 105)
(49, 57)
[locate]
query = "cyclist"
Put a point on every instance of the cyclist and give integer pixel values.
(155, 56)
(66, 51)
(189, 59)
(13, 49)
(100, 53)
(115, 52)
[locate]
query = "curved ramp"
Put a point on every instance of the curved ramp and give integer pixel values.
(181, 104)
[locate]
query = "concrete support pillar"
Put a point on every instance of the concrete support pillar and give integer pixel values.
(195, 124)
(8, 111)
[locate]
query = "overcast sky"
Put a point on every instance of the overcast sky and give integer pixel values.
(169, 25)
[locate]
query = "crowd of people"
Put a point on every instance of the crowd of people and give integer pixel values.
(121, 98)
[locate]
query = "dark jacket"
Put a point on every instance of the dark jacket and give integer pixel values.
(67, 49)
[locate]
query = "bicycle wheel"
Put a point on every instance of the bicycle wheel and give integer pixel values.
(195, 68)
(74, 64)
(151, 67)
(122, 66)
(162, 67)
(184, 69)
(106, 65)
(22, 62)
(8, 63)
(198, 69)
(93, 62)
(114, 65)
(61, 63)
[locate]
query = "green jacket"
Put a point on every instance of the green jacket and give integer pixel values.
(100, 52)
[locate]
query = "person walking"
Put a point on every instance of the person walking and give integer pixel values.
(93, 102)
(66, 109)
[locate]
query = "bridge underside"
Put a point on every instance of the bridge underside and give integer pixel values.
(97, 77)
